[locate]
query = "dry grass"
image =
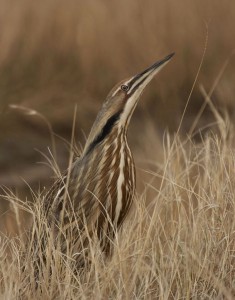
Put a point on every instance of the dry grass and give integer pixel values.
(178, 246)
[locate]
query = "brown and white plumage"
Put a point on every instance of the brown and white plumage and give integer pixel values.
(101, 183)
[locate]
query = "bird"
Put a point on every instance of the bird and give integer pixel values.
(94, 196)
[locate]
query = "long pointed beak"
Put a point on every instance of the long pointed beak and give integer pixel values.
(143, 78)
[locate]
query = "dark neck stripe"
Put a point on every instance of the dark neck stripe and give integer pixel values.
(105, 131)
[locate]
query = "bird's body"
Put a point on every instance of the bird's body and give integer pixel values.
(110, 178)
(96, 193)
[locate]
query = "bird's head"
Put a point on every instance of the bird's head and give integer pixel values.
(121, 102)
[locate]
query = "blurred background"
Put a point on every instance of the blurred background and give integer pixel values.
(55, 55)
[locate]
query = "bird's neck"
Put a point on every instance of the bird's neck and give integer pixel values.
(109, 157)
(105, 137)
(107, 150)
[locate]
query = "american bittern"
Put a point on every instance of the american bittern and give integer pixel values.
(97, 192)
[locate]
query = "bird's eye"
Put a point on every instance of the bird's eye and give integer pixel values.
(124, 87)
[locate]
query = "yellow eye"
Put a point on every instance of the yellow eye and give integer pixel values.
(124, 87)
